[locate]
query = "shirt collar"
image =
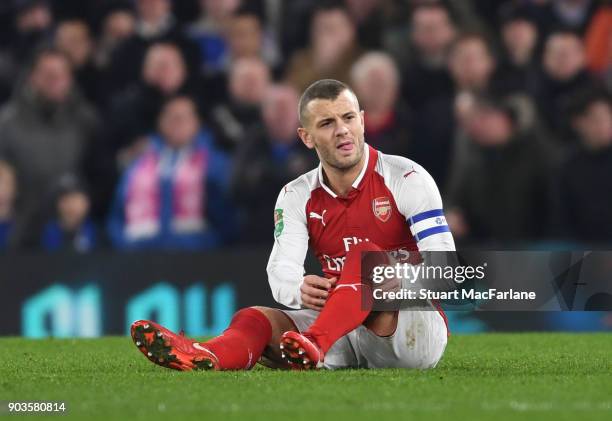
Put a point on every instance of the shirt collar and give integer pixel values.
(357, 182)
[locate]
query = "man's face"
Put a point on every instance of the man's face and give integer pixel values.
(490, 127)
(72, 209)
(278, 110)
(333, 27)
(595, 125)
(52, 78)
(564, 56)
(432, 31)
(335, 130)
(179, 123)
(74, 40)
(520, 38)
(245, 37)
(471, 64)
(377, 88)
(153, 10)
(164, 68)
(248, 81)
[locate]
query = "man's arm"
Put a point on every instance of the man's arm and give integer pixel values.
(418, 199)
(286, 264)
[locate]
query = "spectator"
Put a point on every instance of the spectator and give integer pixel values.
(73, 38)
(45, 131)
(117, 26)
(333, 49)
(8, 191)
(33, 24)
(154, 23)
(471, 63)
(209, 33)
(134, 113)
(370, 20)
(174, 195)
(245, 38)
(500, 191)
(518, 67)
(248, 81)
(564, 74)
(428, 88)
(272, 156)
(34, 21)
(585, 180)
(375, 79)
(70, 229)
(425, 76)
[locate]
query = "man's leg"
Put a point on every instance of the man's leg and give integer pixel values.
(344, 311)
(251, 331)
(281, 323)
(418, 341)
(345, 308)
(382, 323)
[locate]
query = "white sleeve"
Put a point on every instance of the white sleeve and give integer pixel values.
(286, 264)
(418, 199)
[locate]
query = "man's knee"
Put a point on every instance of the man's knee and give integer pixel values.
(382, 323)
(278, 319)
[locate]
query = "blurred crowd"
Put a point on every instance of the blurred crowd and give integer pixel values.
(171, 124)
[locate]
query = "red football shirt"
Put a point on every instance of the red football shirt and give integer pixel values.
(393, 202)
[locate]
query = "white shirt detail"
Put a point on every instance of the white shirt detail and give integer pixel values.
(315, 215)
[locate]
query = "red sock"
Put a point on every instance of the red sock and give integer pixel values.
(242, 343)
(344, 310)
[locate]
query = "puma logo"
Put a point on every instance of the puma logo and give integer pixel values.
(409, 172)
(200, 347)
(315, 215)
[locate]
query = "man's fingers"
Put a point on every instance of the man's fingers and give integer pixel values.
(312, 301)
(317, 281)
(311, 307)
(314, 292)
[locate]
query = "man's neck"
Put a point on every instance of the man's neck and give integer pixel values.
(341, 181)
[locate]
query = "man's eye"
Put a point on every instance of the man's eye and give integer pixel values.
(325, 124)
(350, 117)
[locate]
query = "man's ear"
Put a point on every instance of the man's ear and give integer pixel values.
(362, 117)
(305, 137)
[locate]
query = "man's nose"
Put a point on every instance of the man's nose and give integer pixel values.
(342, 129)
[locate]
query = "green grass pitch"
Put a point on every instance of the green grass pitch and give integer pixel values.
(488, 377)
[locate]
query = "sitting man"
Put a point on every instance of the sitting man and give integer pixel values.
(358, 199)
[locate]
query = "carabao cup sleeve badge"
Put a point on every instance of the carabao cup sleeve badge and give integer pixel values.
(278, 222)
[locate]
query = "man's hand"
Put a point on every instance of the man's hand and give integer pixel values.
(315, 290)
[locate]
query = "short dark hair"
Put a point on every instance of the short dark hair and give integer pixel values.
(178, 96)
(433, 5)
(472, 36)
(43, 52)
(328, 89)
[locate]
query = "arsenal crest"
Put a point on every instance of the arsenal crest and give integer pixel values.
(381, 206)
